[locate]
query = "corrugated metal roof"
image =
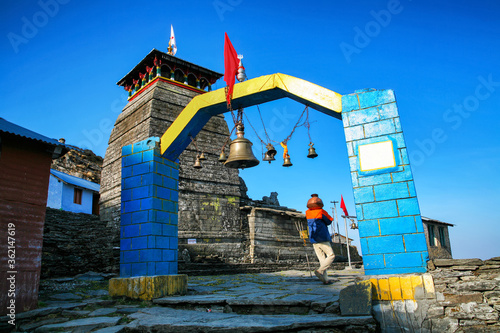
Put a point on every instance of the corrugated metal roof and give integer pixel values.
(426, 219)
(8, 127)
(75, 180)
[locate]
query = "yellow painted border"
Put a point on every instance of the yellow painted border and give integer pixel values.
(405, 287)
(262, 89)
(374, 143)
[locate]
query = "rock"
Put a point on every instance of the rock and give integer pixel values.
(27, 327)
(41, 312)
(457, 262)
(78, 313)
(102, 312)
(90, 276)
(65, 305)
(444, 325)
(456, 299)
(333, 308)
(159, 319)
(480, 285)
(435, 311)
(464, 268)
(111, 329)
(80, 324)
(100, 302)
(129, 310)
(356, 300)
(100, 292)
(63, 280)
(65, 297)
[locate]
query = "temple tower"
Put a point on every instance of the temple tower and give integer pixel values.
(159, 88)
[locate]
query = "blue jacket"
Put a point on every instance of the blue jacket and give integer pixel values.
(318, 220)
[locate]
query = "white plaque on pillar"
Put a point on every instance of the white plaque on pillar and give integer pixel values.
(376, 156)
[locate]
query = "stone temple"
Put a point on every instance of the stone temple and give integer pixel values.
(215, 216)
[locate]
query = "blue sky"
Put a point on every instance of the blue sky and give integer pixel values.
(61, 61)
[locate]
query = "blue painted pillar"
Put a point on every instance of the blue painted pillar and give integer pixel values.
(390, 226)
(148, 229)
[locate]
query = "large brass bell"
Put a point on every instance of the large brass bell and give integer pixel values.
(240, 152)
(270, 153)
(197, 163)
(222, 157)
(312, 151)
(287, 162)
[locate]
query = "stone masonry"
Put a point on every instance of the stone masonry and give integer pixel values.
(467, 294)
(458, 295)
(208, 197)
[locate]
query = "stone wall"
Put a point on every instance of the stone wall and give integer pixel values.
(456, 295)
(75, 243)
(467, 293)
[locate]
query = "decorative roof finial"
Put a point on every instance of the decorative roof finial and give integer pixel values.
(241, 70)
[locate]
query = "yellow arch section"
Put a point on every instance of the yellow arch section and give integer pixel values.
(245, 94)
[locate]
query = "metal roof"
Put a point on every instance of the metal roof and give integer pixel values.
(8, 127)
(79, 182)
(149, 58)
(426, 219)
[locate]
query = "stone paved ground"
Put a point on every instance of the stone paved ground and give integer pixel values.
(290, 301)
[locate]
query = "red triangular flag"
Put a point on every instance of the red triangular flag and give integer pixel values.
(342, 205)
(230, 67)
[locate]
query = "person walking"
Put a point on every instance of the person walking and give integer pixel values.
(318, 221)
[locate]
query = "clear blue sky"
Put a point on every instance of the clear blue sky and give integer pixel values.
(60, 64)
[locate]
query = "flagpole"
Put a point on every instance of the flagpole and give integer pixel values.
(336, 218)
(347, 242)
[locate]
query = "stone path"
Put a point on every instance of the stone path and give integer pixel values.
(290, 301)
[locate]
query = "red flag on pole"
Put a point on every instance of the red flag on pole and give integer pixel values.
(342, 205)
(230, 67)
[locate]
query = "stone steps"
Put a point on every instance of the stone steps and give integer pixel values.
(162, 319)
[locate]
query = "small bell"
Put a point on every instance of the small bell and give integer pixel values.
(312, 151)
(240, 152)
(286, 162)
(197, 163)
(202, 156)
(270, 153)
(222, 157)
(354, 226)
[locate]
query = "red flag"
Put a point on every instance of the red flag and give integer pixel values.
(230, 66)
(342, 205)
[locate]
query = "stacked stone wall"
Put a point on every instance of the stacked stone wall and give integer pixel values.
(456, 295)
(75, 243)
(467, 294)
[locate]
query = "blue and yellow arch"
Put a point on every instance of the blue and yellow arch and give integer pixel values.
(390, 226)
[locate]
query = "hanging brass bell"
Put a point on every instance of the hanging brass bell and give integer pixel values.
(222, 157)
(197, 163)
(270, 153)
(202, 156)
(240, 152)
(312, 151)
(287, 162)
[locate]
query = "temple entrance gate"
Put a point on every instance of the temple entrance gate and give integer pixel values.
(390, 226)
